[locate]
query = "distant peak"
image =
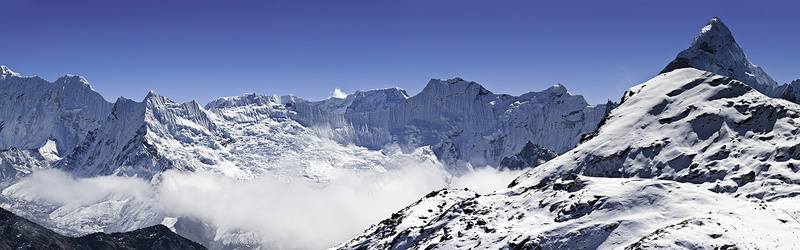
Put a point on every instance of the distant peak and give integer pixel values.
(440, 87)
(6, 71)
(449, 81)
(394, 91)
(715, 50)
(713, 36)
(558, 88)
(155, 98)
(72, 78)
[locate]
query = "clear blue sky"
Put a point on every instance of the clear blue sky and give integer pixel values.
(206, 49)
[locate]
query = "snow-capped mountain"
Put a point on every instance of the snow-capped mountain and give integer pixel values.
(465, 124)
(41, 122)
(689, 158)
(715, 50)
(145, 138)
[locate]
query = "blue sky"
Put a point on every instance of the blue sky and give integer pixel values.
(206, 49)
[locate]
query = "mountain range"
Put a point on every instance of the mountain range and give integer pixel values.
(696, 157)
(455, 126)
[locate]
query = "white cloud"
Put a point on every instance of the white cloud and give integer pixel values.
(338, 93)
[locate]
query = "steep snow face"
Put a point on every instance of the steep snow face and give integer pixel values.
(35, 110)
(715, 50)
(262, 137)
(41, 122)
(464, 123)
(364, 101)
(145, 138)
(689, 158)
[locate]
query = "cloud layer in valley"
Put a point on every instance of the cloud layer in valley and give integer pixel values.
(281, 214)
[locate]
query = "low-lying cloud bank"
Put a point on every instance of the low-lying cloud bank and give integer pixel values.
(300, 214)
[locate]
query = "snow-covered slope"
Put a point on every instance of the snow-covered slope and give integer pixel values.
(41, 122)
(715, 50)
(586, 213)
(688, 159)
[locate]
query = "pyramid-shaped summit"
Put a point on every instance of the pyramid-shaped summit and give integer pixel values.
(715, 50)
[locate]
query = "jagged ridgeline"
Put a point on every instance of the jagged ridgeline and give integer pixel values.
(703, 156)
(67, 125)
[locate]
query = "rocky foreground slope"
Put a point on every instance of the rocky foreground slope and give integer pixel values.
(19, 233)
